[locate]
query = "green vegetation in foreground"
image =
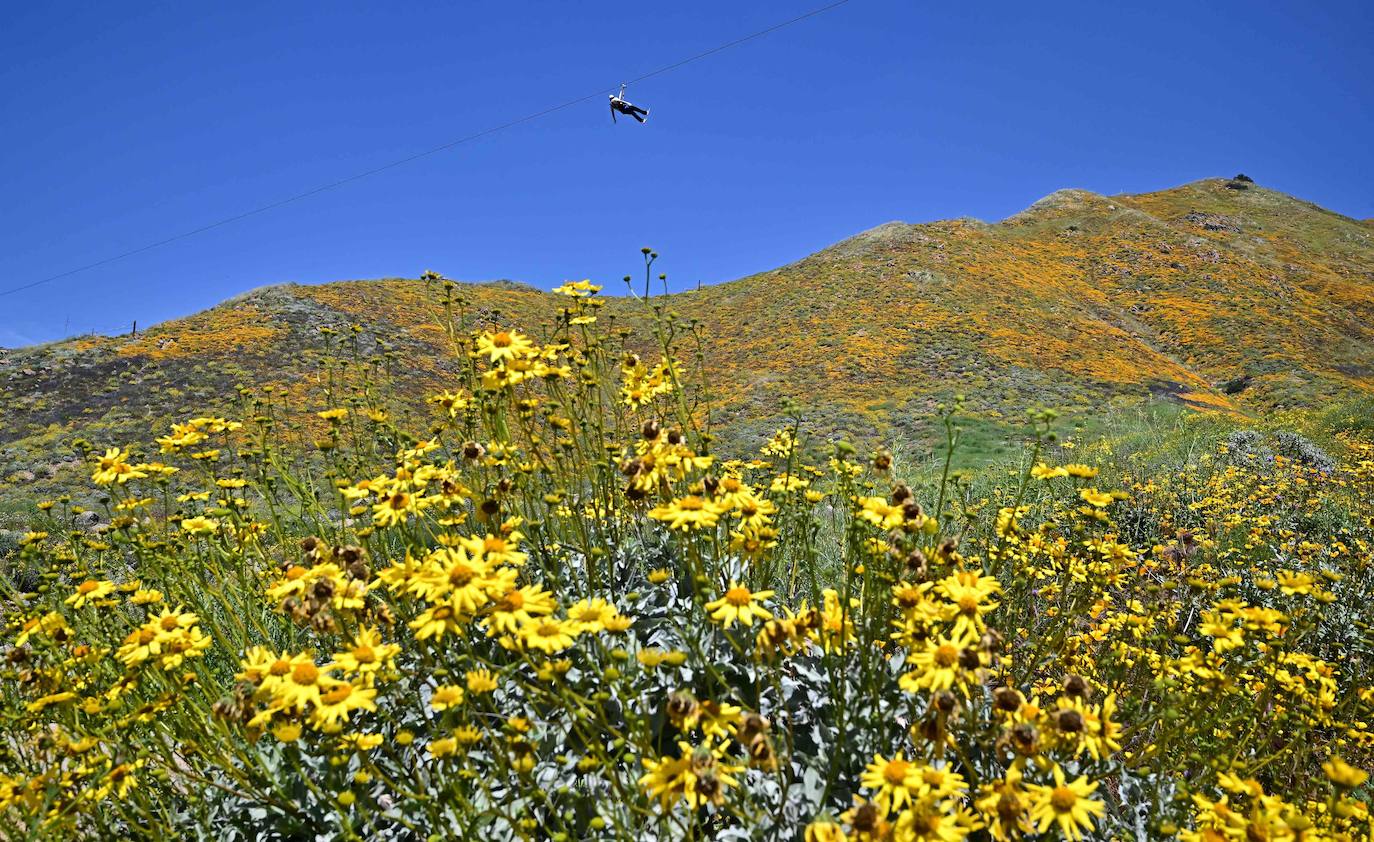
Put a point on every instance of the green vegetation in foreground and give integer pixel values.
(554, 613)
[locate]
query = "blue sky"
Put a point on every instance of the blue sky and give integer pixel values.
(125, 123)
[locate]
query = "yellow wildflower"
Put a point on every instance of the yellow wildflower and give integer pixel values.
(739, 604)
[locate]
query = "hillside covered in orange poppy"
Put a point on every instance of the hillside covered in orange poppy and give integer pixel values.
(1219, 296)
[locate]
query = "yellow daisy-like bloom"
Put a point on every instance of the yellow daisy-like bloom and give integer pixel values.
(1005, 807)
(146, 597)
(45, 625)
(1081, 471)
(443, 747)
(141, 644)
(836, 620)
(182, 436)
(407, 576)
(577, 289)
(287, 732)
(739, 604)
(1043, 471)
(650, 658)
(393, 508)
(639, 386)
(480, 681)
(1067, 804)
(496, 549)
(969, 593)
(1093, 497)
(931, 820)
(1101, 734)
(215, 425)
(467, 735)
(894, 782)
(452, 402)
(617, 623)
(824, 830)
(591, 615)
(1218, 626)
(1344, 775)
(293, 582)
(120, 780)
(200, 525)
(756, 514)
(517, 607)
(368, 654)
(752, 543)
(1293, 584)
(361, 742)
(511, 373)
(690, 512)
(781, 445)
(268, 670)
(464, 581)
(437, 621)
(943, 782)
(89, 591)
(446, 696)
(916, 605)
(114, 467)
(334, 705)
(547, 634)
(716, 719)
(938, 666)
(735, 492)
(168, 622)
(696, 775)
(303, 685)
(504, 345)
(786, 484)
(185, 643)
(879, 512)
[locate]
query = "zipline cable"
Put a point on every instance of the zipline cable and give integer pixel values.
(415, 157)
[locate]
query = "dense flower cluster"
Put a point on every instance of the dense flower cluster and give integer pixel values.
(557, 614)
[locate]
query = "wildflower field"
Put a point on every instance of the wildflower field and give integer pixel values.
(553, 610)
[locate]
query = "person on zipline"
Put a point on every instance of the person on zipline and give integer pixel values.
(618, 103)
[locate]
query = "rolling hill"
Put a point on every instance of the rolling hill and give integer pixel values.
(1218, 296)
